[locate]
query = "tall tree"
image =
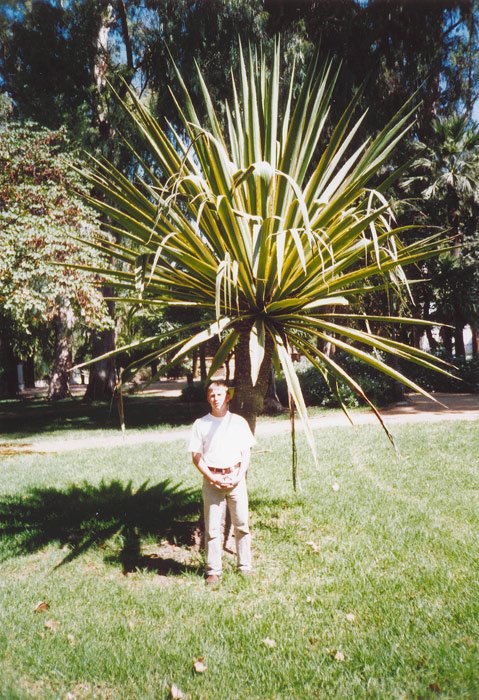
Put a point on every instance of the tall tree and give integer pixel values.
(446, 178)
(40, 219)
(67, 86)
(237, 225)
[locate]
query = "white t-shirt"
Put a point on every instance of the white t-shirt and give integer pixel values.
(221, 440)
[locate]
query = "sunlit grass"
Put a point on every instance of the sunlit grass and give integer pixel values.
(366, 582)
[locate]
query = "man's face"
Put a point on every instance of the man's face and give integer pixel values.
(218, 398)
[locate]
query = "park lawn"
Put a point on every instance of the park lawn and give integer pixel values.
(366, 583)
(38, 420)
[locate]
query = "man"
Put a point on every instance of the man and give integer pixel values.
(220, 445)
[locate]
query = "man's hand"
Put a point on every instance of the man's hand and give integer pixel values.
(227, 482)
(222, 483)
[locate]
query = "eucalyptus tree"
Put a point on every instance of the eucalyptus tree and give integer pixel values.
(269, 229)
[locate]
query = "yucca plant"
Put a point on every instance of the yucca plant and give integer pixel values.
(268, 229)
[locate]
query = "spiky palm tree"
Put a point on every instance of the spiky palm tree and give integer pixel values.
(273, 246)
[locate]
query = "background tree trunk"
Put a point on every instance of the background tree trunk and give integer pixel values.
(202, 358)
(9, 362)
(102, 380)
(59, 380)
(433, 344)
(459, 347)
(446, 334)
(29, 372)
(475, 340)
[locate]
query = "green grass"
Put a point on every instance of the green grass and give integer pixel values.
(36, 418)
(383, 568)
(22, 419)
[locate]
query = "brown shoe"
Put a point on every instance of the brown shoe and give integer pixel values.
(212, 580)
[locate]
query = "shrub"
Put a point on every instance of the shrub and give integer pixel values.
(467, 373)
(194, 392)
(378, 387)
(177, 370)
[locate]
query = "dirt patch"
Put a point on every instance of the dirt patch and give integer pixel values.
(9, 449)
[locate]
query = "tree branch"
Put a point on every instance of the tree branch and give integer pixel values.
(126, 34)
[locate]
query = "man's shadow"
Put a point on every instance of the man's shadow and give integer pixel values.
(86, 516)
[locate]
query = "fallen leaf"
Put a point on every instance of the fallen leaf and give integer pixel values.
(350, 617)
(314, 641)
(466, 640)
(335, 486)
(199, 665)
(176, 693)
(52, 625)
(269, 643)
(42, 606)
(435, 687)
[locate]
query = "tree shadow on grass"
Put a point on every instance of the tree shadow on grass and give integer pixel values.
(86, 516)
(25, 418)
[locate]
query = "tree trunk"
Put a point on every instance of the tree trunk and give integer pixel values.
(100, 71)
(417, 335)
(446, 334)
(59, 380)
(459, 341)
(272, 404)
(194, 363)
(248, 400)
(29, 372)
(9, 383)
(431, 339)
(102, 380)
(202, 355)
(475, 340)
(154, 365)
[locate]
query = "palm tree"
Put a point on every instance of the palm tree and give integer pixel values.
(273, 247)
(448, 170)
(447, 177)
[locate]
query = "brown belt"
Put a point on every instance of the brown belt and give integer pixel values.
(227, 470)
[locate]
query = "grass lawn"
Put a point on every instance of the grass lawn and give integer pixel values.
(37, 419)
(366, 584)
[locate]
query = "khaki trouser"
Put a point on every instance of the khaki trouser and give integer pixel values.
(215, 501)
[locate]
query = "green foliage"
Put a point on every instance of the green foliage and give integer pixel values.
(42, 212)
(466, 376)
(194, 392)
(445, 182)
(316, 391)
(379, 387)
